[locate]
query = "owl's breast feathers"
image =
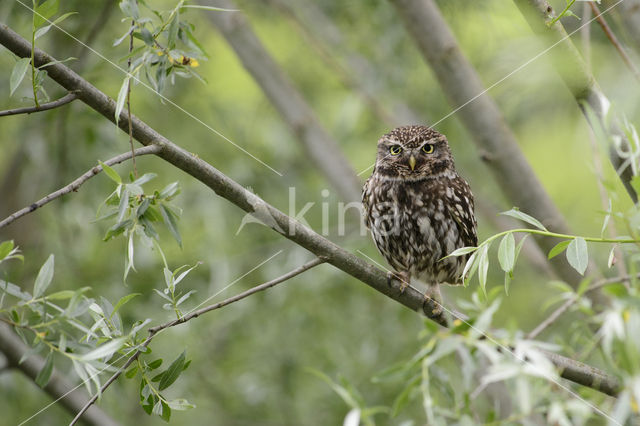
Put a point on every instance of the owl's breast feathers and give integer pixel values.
(416, 223)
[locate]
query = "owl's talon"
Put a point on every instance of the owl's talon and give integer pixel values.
(402, 277)
(431, 307)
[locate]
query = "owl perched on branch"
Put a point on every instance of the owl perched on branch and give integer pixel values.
(419, 209)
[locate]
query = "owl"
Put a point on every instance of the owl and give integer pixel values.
(418, 208)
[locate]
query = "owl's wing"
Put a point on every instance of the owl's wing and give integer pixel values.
(460, 207)
(366, 195)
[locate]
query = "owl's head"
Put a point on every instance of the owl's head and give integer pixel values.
(413, 152)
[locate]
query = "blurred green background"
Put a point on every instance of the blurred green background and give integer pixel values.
(252, 361)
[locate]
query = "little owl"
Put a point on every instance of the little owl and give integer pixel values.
(418, 208)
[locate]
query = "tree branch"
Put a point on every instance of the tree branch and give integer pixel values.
(241, 197)
(573, 299)
(323, 150)
(69, 97)
(571, 67)
(71, 397)
(614, 40)
(483, 120)
(73, 186)
(195, 314)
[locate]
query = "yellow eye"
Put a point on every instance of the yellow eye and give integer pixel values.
(427, 148)
(395, 150)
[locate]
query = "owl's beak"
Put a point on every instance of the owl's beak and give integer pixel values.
(412, 162)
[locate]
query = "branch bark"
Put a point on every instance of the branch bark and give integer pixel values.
(482, 118)
(323, 150)
(246, 200)
(571, 67)
(69, 97)
(73, 186)
(59, 388)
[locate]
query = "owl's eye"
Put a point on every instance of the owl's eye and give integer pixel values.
(395, 150)
(427, 148)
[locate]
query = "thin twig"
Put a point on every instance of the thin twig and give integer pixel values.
(73, 186)
(573, 299)
(69, 97)
(155, 330)
(614, 40)
(133, 153)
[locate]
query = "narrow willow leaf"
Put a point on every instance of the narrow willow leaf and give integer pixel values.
(5, 248)
(170, 221)
(180, 404)
(577, 255)
(173, 372)
(461, 251)
(122, 301)
(44, 277)
(612, 257)
(122, 97)
(42, 31)
(17, 74)
(104, 351)
(558, 248)
(525, 218)
(45, 373)
(45, 11)
(507, 253)
(483, 268)
(113, 175)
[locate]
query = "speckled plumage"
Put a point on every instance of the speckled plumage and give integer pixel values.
(419, 215)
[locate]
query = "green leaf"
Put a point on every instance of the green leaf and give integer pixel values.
(558, 248)
(173, 31)
(169, 191)
(130, 9)
(14, 290)
(577, 254)
(461, 251)
(144, 178)
(180, 404)
(61, 295)
(507, 253)
(172, 373)
(155, 364)
(113, 175)
(42, 31)
(124, 204)
(132, 372)
(45, 11)
(44, 277)
(483, 268)
(122, 301)
(122, 97)
(514, 212)
(170, 221)
(104, 351)
(166, 412)
(45, 373)
(5, 248)
(18, 73)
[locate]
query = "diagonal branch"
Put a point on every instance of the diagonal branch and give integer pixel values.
(251, 203)
(614, 40)
(69, 97)
(58, 387)
(195, 314)
(73, 186)
(573, 299)
(583, 86)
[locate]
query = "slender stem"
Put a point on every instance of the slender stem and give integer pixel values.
(561, 14)
(563, 236)
(73, 186)
(614, 40)
(69, 97)
(33, 64)
(573, 299)
(133, 153)
(155, 330)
